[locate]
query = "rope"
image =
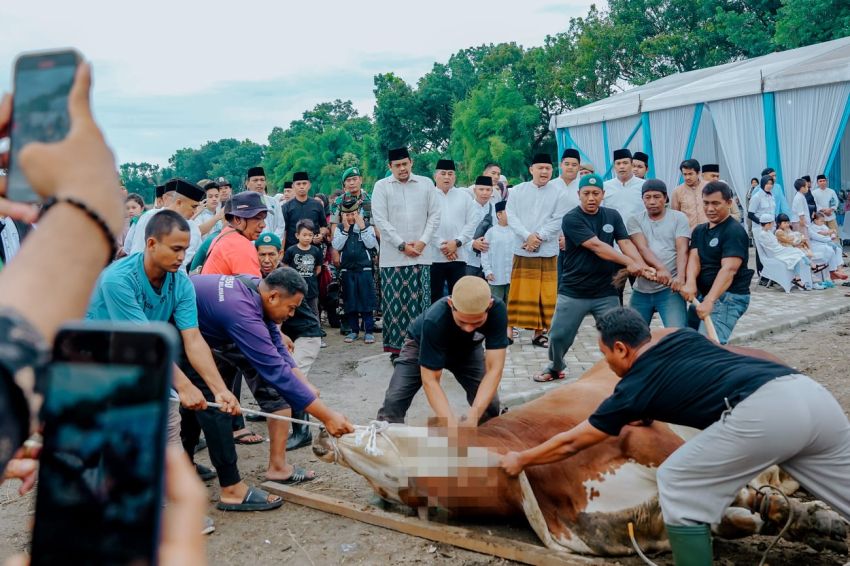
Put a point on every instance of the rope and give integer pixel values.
(636, 546)
(368, 434)
(763, 509)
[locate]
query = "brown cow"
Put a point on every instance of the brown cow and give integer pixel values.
(582, 504)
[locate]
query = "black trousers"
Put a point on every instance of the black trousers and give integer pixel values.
(467, 367)
(445, 275)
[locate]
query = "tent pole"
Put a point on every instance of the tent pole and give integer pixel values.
(692, 137)
(647, 144)
(608, 163)
(836, 145)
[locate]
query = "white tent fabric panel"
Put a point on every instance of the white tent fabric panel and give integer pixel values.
(670, 131)
(739, 123)
(807, 123)
(844, 155)
(590, 141)
(619, 131)
(705, 146)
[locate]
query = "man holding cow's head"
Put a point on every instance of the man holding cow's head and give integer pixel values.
(449, 336)
(680, 377)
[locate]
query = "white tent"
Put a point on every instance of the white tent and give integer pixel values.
(787, 110)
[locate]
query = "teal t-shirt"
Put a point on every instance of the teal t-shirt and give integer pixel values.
(123, 292)
(203, 251)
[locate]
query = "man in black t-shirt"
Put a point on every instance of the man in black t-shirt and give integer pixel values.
(588, 264)
(302, 207)
(717, 266)
(449, 335)
(753, 414)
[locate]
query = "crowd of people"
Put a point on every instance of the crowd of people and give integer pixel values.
(452, 273)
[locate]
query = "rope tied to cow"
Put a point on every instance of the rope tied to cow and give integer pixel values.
(363, 433)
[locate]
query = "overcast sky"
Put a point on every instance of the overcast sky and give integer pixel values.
(177, 73)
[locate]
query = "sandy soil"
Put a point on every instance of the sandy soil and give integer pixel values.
(297, 535)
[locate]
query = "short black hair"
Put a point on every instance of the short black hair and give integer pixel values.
(767, 171)
(163, 223)
(717, 187)
(754, 179)
(305, 223)
(690, 164)
(799, 184)
(286, 280)
(782, 217)
(491, 164)
(623, 324)
(137, 198)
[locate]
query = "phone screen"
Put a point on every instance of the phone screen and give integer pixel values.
(39, 111)
(100, 478)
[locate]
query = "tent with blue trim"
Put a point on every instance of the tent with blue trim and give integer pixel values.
(787, 110)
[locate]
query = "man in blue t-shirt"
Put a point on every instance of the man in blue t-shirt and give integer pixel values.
(753, 413)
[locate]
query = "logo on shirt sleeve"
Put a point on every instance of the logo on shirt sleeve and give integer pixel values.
(608, 229)
(713, 243)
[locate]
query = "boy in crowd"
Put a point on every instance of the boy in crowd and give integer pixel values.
(306, 259)
(497, 261)
(353, 239)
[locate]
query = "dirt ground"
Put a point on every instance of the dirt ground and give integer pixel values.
(298, 535)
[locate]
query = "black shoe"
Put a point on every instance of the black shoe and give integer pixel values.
(205, 473)
(202, 443)
(300, 435)
(255, 418)
(764, 282)
(393, 359)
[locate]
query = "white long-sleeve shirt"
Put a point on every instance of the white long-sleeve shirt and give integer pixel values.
(366, 236)
(274, 219)
(537, 209)
(457, 222)
(139, 241)
(570, 191)
(625, 198)
(498, 259)
(762, 202)
(479, 211)
(405, 212)
(826, 198)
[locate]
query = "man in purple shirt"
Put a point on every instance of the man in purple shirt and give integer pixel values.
(239, 317)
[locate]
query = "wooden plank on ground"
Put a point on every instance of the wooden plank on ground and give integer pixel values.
(448, 534)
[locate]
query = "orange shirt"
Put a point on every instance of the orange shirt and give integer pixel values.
(232, 254)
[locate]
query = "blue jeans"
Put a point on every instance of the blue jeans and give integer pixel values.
(669, 305)
(727, 310)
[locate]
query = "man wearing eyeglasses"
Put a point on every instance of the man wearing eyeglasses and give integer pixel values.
(463, 333)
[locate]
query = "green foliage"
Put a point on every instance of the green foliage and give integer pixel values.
(495, 101)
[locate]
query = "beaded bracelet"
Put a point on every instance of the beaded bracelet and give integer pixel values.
(98, 219)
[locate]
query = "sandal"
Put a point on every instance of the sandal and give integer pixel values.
(541, 341)
(799, 284)
(546, 376)
(299, 475)
(239, 438)
(255, 500)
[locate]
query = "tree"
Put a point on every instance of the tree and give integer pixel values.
(494, 124)
(141, 178)
(804, 22)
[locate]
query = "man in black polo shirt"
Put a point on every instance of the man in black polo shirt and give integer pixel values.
(589, 262)
(303, 207)
(753, 413)
(717, 266)
(449, 335)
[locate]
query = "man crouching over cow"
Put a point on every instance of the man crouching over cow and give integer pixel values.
(449, 336)
(753, 413)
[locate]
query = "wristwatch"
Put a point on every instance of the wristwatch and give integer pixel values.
(401, 246)
(458, 243)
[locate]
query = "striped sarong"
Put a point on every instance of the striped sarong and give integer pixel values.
(533, 292)
(405, 294)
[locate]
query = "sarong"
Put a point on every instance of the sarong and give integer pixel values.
(533, 292)
(405, 294)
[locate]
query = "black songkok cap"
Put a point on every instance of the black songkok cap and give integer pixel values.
(641, 156)
(398, 154)
(542, 158)
(484, 180)
(807, 178)
(500, 206)
(711, 168)
(159, 191)
(185, 188)
(821, 177)
(445, 165)
(654, 185)
(256, 172)
(573, 153)
(300, 176)
(622, 154)
(287, 184)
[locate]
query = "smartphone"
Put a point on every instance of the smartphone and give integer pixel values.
(42, 82)
(100, 479)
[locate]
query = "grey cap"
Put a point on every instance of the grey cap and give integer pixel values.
(245, 205)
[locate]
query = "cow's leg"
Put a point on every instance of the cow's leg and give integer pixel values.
(404, 384)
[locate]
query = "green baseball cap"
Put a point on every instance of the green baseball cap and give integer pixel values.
(350, 172)
(268, 239)
(592, 180)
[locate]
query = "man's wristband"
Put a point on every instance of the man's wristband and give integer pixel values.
(111, 240)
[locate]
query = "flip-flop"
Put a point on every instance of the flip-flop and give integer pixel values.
(541, 341)
(546, 376)
(238, 438)
(299, 475)
(255, 500)
(205, 473)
